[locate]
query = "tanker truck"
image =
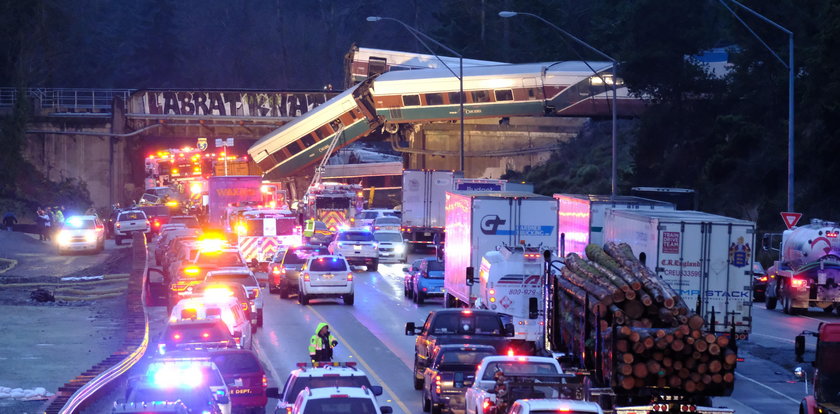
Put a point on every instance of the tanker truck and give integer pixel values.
(807, 273)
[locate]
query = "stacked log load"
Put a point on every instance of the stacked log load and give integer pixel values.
(649, 337)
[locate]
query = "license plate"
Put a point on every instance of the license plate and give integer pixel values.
(328, 276)
(427, 234)
(357, 248)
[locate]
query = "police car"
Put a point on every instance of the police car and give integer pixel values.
(317, 375)
(197, 383)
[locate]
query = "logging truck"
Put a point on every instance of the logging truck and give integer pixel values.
(808, 270)
(640, 347)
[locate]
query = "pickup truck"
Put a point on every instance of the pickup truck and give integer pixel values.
(456, 326)
(480, 393)
(514, 390)
(128, 222)
(451, 371)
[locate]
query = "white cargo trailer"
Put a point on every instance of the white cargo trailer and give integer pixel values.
(423, 200)
(478, 222)
(702, 256)
(580, 218)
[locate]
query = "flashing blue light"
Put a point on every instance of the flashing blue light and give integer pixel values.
(74, 221)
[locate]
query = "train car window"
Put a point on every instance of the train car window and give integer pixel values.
(455, 97)
(530, 92)
(480, 96)
(336, 124)
(294, 147)
(377, 65)
(504, 95)
(309, 140)
(411, 100)
(434, 99)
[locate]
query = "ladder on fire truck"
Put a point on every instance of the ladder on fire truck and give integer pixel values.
(319, 170)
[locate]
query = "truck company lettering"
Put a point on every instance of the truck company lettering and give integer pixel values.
(670, 242)
(677, 262)
(490, 226)
(717, 293)
(221, 103)
(232, 192)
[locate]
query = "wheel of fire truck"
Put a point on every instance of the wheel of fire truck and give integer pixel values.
(770, 301)
(349, 299)
(418, 382)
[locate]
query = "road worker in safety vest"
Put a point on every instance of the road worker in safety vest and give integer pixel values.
(321, 344)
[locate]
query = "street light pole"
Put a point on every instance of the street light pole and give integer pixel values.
(790, 68)
(460, 76)
(613, 169)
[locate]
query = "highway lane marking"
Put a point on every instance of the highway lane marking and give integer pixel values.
(764, 386)
(12, 264)
(263, 357)
(361, 360)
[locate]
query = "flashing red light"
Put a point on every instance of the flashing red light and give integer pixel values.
(492, 291)
(832, 234)
(797, 283)
(264, 381)
(467, 311)
(486, 404)
(510, 352)
(762, 279)
(339, 396)
(205, 335)
(275, 271)
(177, 336)
(424, 289)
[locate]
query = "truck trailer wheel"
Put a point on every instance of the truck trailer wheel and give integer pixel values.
(770, 301)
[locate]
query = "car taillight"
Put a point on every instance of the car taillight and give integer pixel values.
(191, 270)
(275, 270)
(486, 405)
(205, 335)
(117, 224)
(176, 336)
(147, 223)
(350, 277)
(256, 293)
(798, 283)
(245, 306)
(306, 277)
(762, 279)
(264, 381)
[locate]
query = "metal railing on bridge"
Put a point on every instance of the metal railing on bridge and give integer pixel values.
(69, 100)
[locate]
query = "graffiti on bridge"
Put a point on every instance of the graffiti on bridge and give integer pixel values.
(227, 103)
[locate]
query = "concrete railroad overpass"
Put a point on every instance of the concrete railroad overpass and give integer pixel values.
(101, 135)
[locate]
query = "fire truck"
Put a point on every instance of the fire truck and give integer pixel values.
(335, 204)
(826, 383)
(261, 232)
(807, 273)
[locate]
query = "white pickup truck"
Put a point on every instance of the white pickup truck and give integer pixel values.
(479, 396)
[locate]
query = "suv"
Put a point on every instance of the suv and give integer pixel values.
(247, 279)
(428, 281)
(187, 273)
(318, 375)
(195, 334)
(224, 308)
(338, 400)
(81, 233)
(326, 277)
(284, 272)
(358, 246)
(391, 246)
(129, 222)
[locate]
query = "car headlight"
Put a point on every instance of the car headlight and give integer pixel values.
(63, 237)
(90, 237)
(399, 248)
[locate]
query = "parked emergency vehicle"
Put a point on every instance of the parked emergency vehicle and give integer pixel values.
(335, 204)
(261, 232)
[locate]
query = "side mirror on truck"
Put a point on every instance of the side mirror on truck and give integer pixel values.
(410, 329)
(799, 347)
(470, 276)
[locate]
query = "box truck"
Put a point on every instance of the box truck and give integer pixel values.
(580, 218)
(225, 191)
(705, 257)
(478, 222)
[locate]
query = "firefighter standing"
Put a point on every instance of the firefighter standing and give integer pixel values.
(308, 229)
(321, 344)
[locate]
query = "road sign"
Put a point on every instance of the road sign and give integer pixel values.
(220, 142)
(791, 219)
(202, 144)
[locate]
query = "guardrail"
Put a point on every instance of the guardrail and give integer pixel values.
(67, 99)
(91, 384)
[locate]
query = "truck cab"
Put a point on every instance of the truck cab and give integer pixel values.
(480, 393)
(510, 282)
(826, 398)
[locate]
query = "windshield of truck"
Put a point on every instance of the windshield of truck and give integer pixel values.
(466, 324)
(518, 367)
(332, 203)
(221, 259)
(300, 383)
(355, 236)
(388, 237)
(456, 359)
(132, 215)
(299, 256)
